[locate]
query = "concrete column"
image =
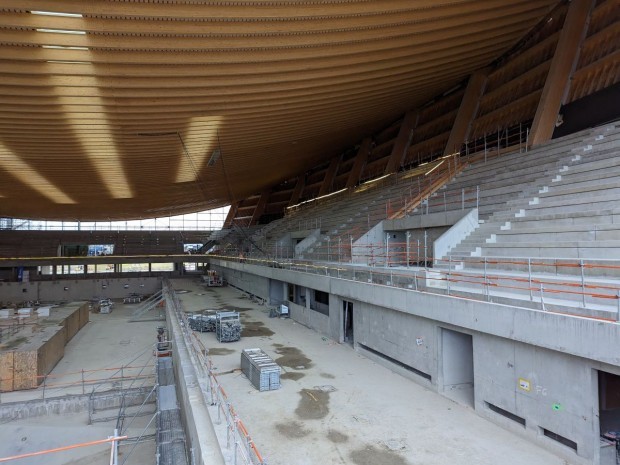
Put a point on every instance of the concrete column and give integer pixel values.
(561, 70)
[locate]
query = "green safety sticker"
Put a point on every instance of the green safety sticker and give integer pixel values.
(557, 407)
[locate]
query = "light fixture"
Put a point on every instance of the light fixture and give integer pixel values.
(56, 13)
(64, 47)
(61, 31)
(67, 62)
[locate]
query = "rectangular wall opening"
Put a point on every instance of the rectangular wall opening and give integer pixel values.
(347, 322)
(505, 413)
(458, 366)
(609, 416)
(561, 439)
(396, 362)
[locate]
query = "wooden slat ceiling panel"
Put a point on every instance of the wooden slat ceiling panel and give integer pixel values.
(113, 109)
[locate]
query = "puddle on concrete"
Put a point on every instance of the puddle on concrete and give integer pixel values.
(336, 436)
(294, 375)
(292, 357)
(233, 308)
(327, 376)
(275, 344)
(292, 429)
(255, 329)
(371, 455)
(313, 405)
(221, 351)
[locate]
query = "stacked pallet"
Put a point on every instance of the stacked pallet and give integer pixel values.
(260, 369)
(227, 326)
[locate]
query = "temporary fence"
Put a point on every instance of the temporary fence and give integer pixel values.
(237, 436)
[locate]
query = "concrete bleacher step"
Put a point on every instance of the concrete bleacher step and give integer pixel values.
(566, 249)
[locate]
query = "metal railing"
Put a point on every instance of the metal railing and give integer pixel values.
(74, 382)
(533, 285)
(237, 436)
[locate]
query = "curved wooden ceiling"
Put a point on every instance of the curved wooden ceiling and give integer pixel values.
(124, 109)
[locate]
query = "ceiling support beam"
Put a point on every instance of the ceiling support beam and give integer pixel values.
(299, 188)
(330, 175)
(358, 164)
(402, 142)
(467, 112)
(561, 70)
(260, 207)
(231, 215)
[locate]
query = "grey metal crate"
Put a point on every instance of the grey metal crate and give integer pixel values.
(260, 369)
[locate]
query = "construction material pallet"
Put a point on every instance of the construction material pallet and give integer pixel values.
(260, 369)
(227, 326)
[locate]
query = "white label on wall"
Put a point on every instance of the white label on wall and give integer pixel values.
(524, 384)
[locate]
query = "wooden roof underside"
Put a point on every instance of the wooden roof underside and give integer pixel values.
(120, 120)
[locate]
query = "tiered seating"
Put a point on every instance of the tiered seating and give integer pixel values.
(567, 211)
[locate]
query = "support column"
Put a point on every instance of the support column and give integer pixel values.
(467, 112)
(260, 207)
(231, 215)
(358, 164)
(299, 188)
(330, 175)
(561, 70)
(402, 142)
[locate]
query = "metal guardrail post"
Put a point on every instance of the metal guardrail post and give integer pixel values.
(529, 277)
(583, 283)
(462, 198)
(618, 312)
(542, 300)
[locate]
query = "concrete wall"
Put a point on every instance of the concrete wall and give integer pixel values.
(555, 356)
(310, 318)
(77, 289)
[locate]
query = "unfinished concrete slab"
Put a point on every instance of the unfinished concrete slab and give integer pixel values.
(337, 406)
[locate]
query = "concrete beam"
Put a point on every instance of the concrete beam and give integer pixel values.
(330, 175)
(562, 67)
(467, 112)
(358, 165)
(402, 142)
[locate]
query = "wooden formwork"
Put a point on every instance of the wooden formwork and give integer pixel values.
(24, 366)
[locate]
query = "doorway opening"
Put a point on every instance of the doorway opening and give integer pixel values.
(609, 417)
(347, 322)
(458, 366)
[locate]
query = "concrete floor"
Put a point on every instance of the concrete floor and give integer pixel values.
(106, 342)
(338, 407)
